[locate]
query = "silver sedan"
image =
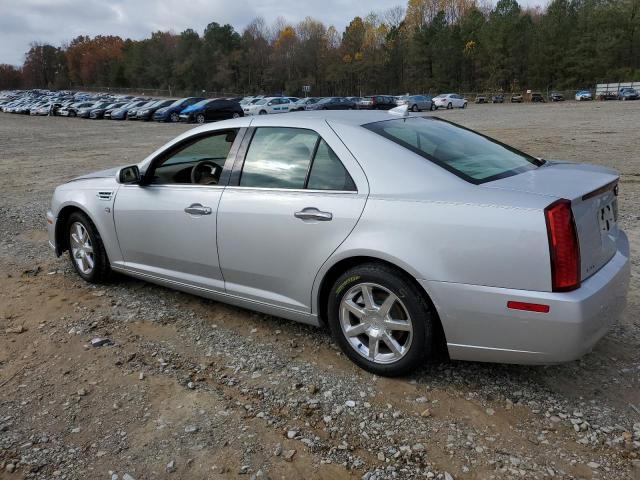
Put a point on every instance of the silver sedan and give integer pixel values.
(403, 235)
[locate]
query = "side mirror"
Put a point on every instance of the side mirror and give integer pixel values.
(129, 175)
(270, 103)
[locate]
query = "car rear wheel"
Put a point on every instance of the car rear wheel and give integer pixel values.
(86, 250)
(200, 118)
(175, 117)
(380, 319)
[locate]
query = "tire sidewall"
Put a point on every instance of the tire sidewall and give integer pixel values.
(407, 292)
(100, 262)
(200, 118)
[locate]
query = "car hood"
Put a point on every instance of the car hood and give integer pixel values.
(162, 110)
(108, 173)
(192, 109)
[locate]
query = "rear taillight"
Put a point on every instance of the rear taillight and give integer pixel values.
(563, 246)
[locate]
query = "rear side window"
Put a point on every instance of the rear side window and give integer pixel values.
(293, 158)
(327, 171)
(278, 158)
(467, 154)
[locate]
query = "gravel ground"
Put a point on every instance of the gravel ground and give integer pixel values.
(190, 388)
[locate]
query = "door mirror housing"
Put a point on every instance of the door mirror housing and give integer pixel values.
(129, 175)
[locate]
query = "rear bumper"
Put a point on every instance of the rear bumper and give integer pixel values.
(479, 326)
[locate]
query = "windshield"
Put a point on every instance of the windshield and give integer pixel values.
(467, 154)
(201, 103)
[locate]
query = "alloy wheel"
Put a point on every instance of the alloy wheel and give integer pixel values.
(174, 117)
(81, 248)
(376, 323)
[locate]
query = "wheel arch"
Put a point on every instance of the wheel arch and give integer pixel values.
(62, 242)
(332, 272)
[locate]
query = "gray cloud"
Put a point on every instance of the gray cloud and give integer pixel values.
(59, 21)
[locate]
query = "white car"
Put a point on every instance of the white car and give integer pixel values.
(268, 105)
(449, 100)
(583, 95)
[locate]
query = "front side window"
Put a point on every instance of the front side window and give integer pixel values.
(205, 155)
(293, 158)
(469, 155)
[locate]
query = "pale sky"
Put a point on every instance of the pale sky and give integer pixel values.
(58, 21)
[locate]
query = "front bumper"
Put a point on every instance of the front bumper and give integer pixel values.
(51, 230)
(479, 326)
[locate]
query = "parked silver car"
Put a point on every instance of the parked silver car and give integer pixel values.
(416, 103)
(402, 234)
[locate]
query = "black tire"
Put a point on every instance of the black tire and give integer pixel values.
(449, 106)
(101, 271)
(175, 118)
(421, 344)
(262, 112)
(432, 107)
(464, 105)
(200, 118)
(414, 108)
(72, 113)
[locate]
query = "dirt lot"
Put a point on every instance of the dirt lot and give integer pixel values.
(196, 389)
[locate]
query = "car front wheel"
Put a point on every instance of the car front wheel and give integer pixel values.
(380, 319)
(86, 250)
(175, 117)
(449, 106)
(464, 105)
(200, 118)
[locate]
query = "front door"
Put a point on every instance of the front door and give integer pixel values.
(293, 204)
(167, 228)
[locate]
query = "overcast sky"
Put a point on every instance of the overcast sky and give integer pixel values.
(58, 21)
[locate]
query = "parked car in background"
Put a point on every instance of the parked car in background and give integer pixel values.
(556, 97)
(583, 95)
(98, 113)
(212, 110)
(268, 105)
(86, 112)
(123, 112)
(628, 93)
(72, 110)
(146, 113)
(302, 103)
(332, 103)
(416, 103)
(171, 113)
(480, 99)
(499, 98)
(516, 98)
(537, 97)
(450, 100)
(383, 102)
(313, 222)
(365, 103)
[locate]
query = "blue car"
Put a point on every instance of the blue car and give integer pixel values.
(172, 112)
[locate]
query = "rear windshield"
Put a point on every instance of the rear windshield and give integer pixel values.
(469, 155)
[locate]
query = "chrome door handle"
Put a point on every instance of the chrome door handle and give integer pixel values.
(312, 213)
(197, 209)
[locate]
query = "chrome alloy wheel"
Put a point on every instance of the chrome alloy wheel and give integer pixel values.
(81, 247)
(376, 323)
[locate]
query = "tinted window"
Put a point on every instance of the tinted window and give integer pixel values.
(469, 155)
(327, 171)
(278, 158)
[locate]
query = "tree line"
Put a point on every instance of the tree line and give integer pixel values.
(427, 46)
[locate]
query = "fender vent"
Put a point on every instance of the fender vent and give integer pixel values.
(104, 195)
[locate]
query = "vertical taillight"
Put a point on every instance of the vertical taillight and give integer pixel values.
(563, 246)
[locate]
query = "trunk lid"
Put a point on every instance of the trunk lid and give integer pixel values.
(592, 191)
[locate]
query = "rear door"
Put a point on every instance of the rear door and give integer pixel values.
(290, 203)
